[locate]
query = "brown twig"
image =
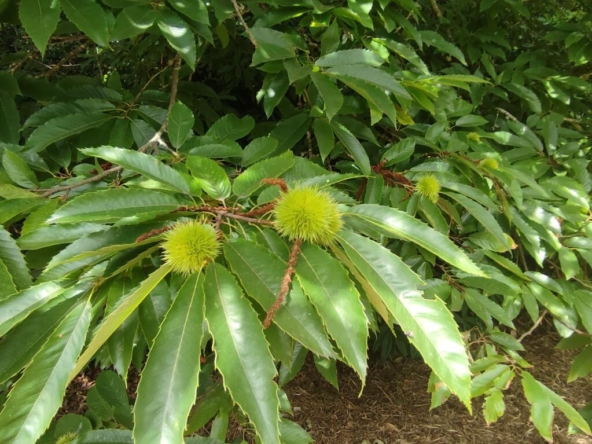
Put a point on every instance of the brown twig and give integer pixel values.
(261, 210)
(436, 8)
(150, 80)
(239, 14)
(225, 212)
(155, 139)
(534, 327)
(285, 287)
(65, 59)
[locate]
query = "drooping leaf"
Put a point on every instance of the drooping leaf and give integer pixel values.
(272, 45)
(394, 223)
(242, 353)
(141, 163)
(231, 127)
(169, 380)
(329, 92)
(260, 273)
(353, 145)
(258, 149)
(89, 17)
(179, 124)
(132, 21)
(61, 128)
(178, 34)
(18, 171)
(13, 259)
(428, 324)
(374, 76)
(211, 177)
(57, 234)
(118, 316)
(334, 295)
(113, 204)
(324, 136)
(17, 307)
(249, 180)
(40, 20)
(350, 57)
(37, 395)
(9, 119)
(432, 38)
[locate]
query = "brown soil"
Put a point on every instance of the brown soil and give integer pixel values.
(394, 407)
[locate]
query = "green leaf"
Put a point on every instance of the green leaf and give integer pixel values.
(37, 395)
(194, 9)
(180, 122)
(400, 151)
(485, 308)
(18, 306)
(258, 149)
(144, 164)
(483, 216)
(583, 303)
(494, 407)
(375, 96)
(350, 57)
(272, 45)
(231, 127)
(57, 234)
(429, 325)
(132, 21)
(394, 223)
(26, 339)
(375, 76)
(169, 380)
(7, 286)
(353, 146)
(178, 34)
(13, 259)
(329, 92)
(18, 171)
(324, 137)
(362, 9)
(569, 263)
(328, 286)
(581, 365)
(89, 17)
(260, 273)
(471, 121)
(113, 204)
(434, 39)
(10, 120)
(210, 176)
(526, 94)
(290, 131)
(249, 180)
(40, 19)
(61, 128)
(242, 353)
(542, 400)
(108, 436)
(118, 316)
(273, 90)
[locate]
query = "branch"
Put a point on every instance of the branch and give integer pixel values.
(285, 287)
(150, 80)
(534, 327)
(225, 212)
(65, 59)
(242, 20)
(436, 8)
(155, 139)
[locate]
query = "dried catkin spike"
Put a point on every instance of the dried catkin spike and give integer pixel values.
(308, 214)
(189, 246)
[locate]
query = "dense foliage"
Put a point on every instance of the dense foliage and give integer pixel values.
(211, 192)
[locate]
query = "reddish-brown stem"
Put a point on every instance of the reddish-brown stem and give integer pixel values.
(151, 233)
(225, 212)
(279, 182)
(285, 287)
(261, 210)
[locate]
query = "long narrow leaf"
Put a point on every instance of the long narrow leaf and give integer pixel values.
(168, 385)
(37, 395)
(242, 354)
(394, 223)
(428, 323)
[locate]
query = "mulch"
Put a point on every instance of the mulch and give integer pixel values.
(394, 406)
